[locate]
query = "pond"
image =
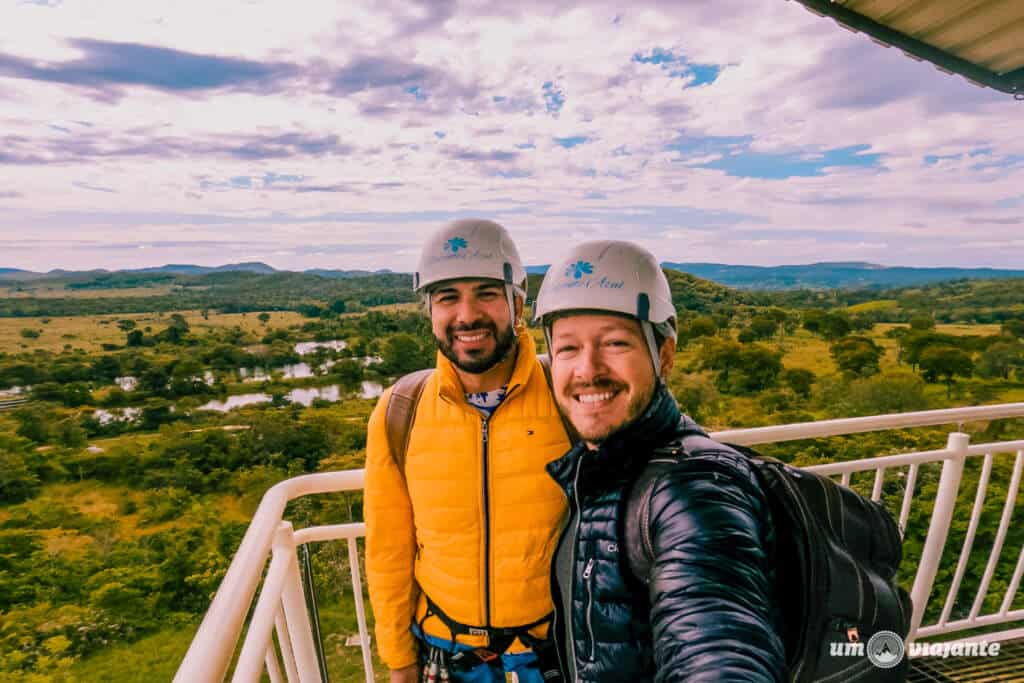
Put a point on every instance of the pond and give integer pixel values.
(304, 396)
(303, 348)
(117, 415)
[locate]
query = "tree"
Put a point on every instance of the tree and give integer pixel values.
(17, 481)
(857, 356)
(402, 354)
(799, 380)
(1000, 358)
(126, 325)
(922, 323)
(135, 338)
(700, 326)
(761, 327)
(1014, 328)
(891, 392)
(946, 363)
(264, 318)
(696, 395)
(338, 306)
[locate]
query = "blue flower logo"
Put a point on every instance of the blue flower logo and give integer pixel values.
(579, 269)
(454, 244)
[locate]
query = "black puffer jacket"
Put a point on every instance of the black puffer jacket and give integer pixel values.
(706, 611)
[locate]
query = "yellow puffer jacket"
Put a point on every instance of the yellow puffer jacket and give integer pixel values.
(476, 526)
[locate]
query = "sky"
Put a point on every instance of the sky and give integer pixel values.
(340, 134)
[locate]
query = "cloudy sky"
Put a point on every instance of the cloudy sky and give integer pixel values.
(337, 134)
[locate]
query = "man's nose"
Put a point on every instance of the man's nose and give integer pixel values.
(589, 364)
(466, 311)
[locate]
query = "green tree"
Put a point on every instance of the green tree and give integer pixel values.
(922, 323)
(1014, 328)
(890, 392)
(1000, 358)
(857, 356)
(402, 354)
(799, 380)
(17, 481)
(264, 318)
(945, 363)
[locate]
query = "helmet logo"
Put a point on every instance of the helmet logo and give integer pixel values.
(454, 244)
(579, 269)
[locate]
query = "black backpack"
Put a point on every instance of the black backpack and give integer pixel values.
(836, 555)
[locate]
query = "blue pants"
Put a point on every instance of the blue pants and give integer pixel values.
(523, 664)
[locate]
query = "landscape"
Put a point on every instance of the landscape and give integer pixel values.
(143, 415)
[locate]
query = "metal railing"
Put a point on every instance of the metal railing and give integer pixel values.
(280, 606)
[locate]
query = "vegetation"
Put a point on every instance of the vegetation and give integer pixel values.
(123, 498)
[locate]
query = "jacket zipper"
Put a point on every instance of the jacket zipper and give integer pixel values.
(487, 526)
(575, 546)
(588, 572)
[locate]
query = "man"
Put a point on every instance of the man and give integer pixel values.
(662, 573)
(459, 538)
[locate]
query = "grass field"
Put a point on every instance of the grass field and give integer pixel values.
(90, 332)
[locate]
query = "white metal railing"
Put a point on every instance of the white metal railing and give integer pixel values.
(280, 607)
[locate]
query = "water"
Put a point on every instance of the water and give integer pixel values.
(293, 371)
(304, 396)
(127, 383)
(303, 348)
(117, 415)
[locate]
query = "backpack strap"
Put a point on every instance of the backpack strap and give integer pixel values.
(639, 553)
(401, 413)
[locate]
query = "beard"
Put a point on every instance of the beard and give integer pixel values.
(597, 433)
(476, 364)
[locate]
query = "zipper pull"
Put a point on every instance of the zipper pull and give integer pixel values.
(588, 570)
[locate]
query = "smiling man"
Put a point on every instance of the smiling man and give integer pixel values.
(460, 529)
(689, 524)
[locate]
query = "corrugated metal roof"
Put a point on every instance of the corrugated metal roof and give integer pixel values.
(982, 40)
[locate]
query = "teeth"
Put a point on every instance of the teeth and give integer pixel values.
(595, 398)
(470, 337)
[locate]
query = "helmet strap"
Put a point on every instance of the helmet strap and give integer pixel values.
(652, 346)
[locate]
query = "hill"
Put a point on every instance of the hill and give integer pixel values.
(847, 275)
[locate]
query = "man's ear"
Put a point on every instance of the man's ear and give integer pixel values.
(519, 306)
(667, 355)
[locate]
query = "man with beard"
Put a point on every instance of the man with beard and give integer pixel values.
(663, 571)
(460, 530)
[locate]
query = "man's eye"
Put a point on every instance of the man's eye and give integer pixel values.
(617, 342)
(564, 350)
(446, 300)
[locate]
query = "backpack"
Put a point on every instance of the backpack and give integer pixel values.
(835, 559)
(400, 412)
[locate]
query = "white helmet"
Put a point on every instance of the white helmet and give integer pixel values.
(472, 248)
(610, 275)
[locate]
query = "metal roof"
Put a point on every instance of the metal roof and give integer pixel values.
(982, 40)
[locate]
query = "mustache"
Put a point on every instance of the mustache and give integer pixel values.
(471, 327)
(600, 384)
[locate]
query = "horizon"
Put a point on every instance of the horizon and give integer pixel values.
(338, 137)
(8, 268)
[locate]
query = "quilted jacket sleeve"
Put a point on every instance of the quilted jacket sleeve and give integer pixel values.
(710, 584)
(390, 547)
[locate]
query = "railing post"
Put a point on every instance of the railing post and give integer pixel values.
(938, 527)
(297, 620)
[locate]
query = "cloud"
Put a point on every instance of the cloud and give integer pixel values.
(105, 66)
(465, 154)
(10, 194)
(87, 148)
(93, 188)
